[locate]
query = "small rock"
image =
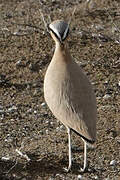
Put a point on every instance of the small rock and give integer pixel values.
(119, 83)
(19, 63)
(51, 178)
(96, 177)
(34, 67)
(61, 127)
(118, 139)
(8, 139)
(12, 109)
(112, 163)
(53, 0)
(1, 107)
(43, 104)
(35, 92)
(106, 96)
(16, 33)
(81, 178)
(30, 110)
(28, 86)
(2, 111)
(46, 131)
(5, 158)
(82, 64)
(57, 129)
(35, 112)
(24, 178)
(106, 82)
(60, 176)
(3, 78)
(99, 27)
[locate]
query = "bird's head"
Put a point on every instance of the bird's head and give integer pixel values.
(59, 30)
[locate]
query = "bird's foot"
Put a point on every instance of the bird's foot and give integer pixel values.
(67, 169)
(85, 168)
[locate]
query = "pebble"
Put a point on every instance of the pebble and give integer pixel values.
(46, 131)
(61, 127)
(99, 27)
(119, 83)
(2, 111)
(12, 109)
(1, 107)
(106, 82)
(51, 178)
(35, 112)
(8, 140)
(24, 178)
(112, 163)
(18, 63)
(96, 177)
(5, 158)
(58, 128)
(106, 96)
(80, 177)
(30, 110)
(16, 33)
(35, 92)
(43, 104)
(118, 139)
(61, 176)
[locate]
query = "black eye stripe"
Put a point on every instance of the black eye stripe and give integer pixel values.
(54, 33)
(61, 34)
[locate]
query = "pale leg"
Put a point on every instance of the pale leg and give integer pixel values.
(85, 157)
(69, 144)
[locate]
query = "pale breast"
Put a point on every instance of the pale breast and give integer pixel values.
(71, 99)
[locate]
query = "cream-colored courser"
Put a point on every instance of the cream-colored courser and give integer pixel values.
(68, 92)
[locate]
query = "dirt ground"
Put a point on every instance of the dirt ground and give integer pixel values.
(33, 144)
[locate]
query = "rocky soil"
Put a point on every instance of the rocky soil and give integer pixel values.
(33, 144)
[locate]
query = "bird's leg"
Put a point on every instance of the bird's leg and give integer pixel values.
(70, 156)
(85, 157)
(69, 144)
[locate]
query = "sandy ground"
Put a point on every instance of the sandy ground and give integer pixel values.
(33, 144)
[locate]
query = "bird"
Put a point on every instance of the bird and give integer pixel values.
(69, 93)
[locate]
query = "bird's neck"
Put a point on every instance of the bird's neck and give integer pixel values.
(62, 53)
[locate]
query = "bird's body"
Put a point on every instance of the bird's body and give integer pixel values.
(69, 94)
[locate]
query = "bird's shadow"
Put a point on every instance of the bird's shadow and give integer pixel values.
(49, 165)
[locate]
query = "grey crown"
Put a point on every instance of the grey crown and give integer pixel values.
(60, 29)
